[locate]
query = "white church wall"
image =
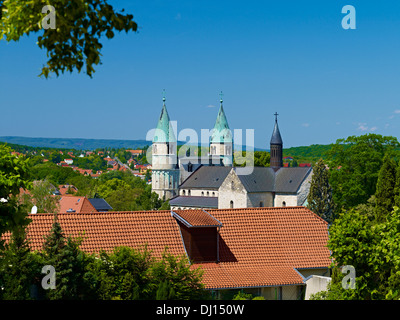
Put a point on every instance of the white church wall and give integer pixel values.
(285, 200)
(232, 193)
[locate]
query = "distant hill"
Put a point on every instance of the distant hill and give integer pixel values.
(73, 143)
(303, 153)
(308, 153)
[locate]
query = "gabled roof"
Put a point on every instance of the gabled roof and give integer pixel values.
(195, 218)
(164, 131)
(100, 204)
(290, 179)
(75, 204)
(262, 179)
(257, 246)
(210, 177)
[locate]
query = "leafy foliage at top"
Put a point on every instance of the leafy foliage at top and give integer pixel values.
(75, 42)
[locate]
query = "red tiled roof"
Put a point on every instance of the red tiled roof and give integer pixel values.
(262, 246)
(79, 204)
(257, 246)
(196, 218)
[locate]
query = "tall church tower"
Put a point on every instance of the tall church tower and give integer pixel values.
(276, 146)
(165, 172)
(221, 143)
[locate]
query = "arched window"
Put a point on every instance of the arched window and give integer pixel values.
(183, 192)
(261, 204)
(208, 193)
(283, 203)
(188, 192)
(202, 193)
(231, 204)
(232, 185)
(213, 194)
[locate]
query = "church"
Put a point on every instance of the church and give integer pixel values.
(212, 182)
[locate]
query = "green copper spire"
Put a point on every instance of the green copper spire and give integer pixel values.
(164, 132)
(221, 132)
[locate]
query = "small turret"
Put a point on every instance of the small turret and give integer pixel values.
(276, 146)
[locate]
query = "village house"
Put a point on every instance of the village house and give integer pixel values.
(269, 251)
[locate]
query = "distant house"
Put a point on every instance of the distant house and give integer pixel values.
(69, 161)
(63, 189)
(135, 153)
(304, 165)
(100, 205)
(76, 205)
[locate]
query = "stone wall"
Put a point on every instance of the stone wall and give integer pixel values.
(232, 190)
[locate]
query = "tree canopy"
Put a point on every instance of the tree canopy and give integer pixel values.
(79, 26)
(355, 163)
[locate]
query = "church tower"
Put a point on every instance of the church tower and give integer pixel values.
(221, 143)
(165, 172)
(276, 146)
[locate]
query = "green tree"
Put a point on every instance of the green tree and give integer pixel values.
(385, 188)
(319, 198)
(42, 196)
(19, 268)
(373, 249)
(79, 27)
(68, 261)
(173, 278)
(14, 174)
(355, 164)
(397, 187)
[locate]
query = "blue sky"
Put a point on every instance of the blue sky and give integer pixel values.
(290, 57)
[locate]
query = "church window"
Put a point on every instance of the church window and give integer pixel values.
(208, 193)
(231, 204)
(183, 192)
(213, 194)
(232, 185)
(283, 203)
(155, 148)
(261, 204)
(202, 193)
(188, 192)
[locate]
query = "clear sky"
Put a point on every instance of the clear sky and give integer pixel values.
(291, 57)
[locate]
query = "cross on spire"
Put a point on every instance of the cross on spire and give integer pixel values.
(220, 97)
(163, 99)
(276, 116)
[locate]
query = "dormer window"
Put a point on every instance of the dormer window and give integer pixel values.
(200, 235)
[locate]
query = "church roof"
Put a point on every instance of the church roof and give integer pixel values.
(262, 179)
(209, 177)
(221, 132)
(164, 132)
(276, 135)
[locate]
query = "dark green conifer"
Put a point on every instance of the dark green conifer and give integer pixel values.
(320, 199)
(385, 189)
